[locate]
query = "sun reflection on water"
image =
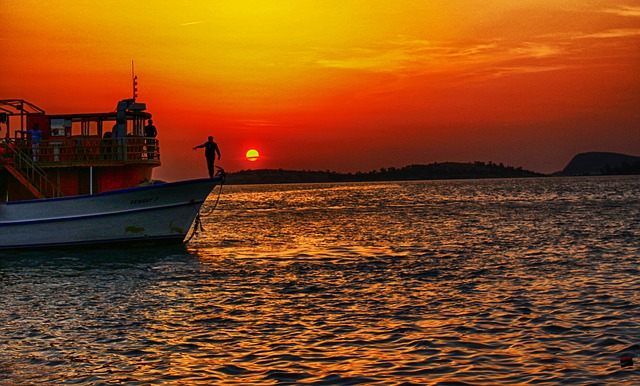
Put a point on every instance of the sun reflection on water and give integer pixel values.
(477, 282)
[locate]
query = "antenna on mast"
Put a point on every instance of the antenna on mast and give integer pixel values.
(134, 79)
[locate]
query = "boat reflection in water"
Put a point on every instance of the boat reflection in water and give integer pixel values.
(75, 179)
(480, 282)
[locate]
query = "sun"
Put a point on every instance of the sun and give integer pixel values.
(252, 155)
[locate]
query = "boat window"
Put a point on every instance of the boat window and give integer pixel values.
(90, 128)
(60, 127)
(76, 128)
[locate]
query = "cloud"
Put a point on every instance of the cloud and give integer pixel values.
(613, 33)
(384, 57)
(260, 123)
(537, 50)
(474, 60)
(402, 56)
(414, 56)
(191, 23)
(515, 70)
(624, 11)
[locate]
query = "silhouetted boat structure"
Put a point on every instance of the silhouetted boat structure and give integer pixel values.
(88, 180)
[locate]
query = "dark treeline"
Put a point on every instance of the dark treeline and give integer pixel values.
(624, 169)
(434, 171)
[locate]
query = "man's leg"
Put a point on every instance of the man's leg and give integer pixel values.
(210, 166)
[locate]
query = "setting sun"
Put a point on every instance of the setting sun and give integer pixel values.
(252, 155)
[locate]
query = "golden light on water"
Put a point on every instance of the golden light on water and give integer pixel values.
(481, 282)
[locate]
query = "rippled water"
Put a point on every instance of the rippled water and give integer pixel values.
(488, 282)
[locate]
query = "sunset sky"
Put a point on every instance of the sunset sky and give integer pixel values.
(343, 85)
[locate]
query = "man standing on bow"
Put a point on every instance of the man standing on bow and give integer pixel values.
(210, 151)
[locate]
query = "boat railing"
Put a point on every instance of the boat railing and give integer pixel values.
(92, 151)
(24, 167)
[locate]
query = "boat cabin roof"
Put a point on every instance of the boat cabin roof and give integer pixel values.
(20, 115)
(11, 107)
(18, 107)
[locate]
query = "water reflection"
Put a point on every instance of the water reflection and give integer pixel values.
(485, 282)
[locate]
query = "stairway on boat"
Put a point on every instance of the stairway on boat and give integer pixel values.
(27, 171)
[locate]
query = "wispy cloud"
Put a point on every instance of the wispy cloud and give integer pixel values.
(414, 56)
(515, 70)
(384, 57)
(537, 50)
(406, 56)
(624, 11)
(613, 33)
(402, 56)
(260, 123)
(480, 60)
(191, 23)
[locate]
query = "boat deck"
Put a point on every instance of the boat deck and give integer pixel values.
(87, 151)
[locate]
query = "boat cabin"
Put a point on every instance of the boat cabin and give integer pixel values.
(56, 155)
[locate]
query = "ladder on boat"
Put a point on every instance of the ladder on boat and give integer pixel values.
(27, 171)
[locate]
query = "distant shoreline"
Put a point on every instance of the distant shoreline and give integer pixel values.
(584, 164)
(434, 171)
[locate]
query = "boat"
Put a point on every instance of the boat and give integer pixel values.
(86, 179)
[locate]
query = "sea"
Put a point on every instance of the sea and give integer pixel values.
(467, 282)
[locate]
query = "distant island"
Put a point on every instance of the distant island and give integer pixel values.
(601, 163)
(434, 171)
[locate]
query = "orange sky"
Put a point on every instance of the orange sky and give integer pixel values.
(344, 85)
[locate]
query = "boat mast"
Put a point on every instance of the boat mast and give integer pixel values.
(134, 79)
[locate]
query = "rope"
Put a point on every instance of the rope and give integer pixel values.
(197, 226)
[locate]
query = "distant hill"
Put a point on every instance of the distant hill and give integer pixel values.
(601, 163)
(434, 171)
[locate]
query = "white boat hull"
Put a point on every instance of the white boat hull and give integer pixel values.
(153, 213)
